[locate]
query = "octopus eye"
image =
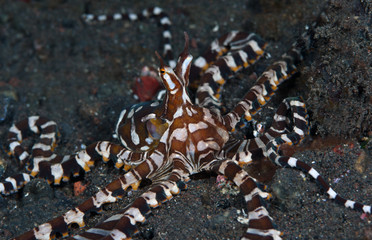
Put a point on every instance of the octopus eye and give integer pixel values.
(162, 71)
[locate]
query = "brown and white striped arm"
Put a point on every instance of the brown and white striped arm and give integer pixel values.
(267, 84)
(260, 224)
(62, 168)
(153, 12)
(244, 151)
(123, 224)
(225, 67)
(38, 125)
(111, 193)
(43, 163)
(226, 44)
(42, 150)
(14, 183)
(300, 128)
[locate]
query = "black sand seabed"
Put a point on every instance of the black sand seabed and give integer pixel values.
(79, 75)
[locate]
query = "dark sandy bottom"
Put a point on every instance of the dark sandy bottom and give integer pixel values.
(79, 75)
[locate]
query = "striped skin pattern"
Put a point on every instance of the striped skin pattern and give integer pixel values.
(167, 141)
(154, 12)
(42, 151)
(147, 132)
(241, 46)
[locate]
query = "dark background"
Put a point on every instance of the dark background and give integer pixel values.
(79, 75)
